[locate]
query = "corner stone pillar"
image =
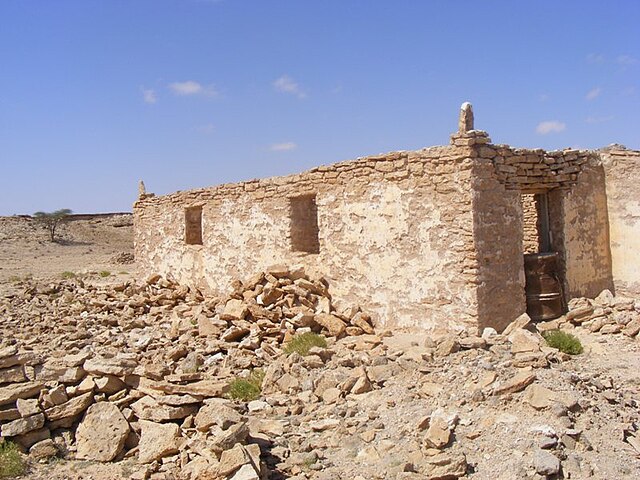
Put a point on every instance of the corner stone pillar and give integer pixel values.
(465, 122)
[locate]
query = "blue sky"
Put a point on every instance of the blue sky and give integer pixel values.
(95, 95)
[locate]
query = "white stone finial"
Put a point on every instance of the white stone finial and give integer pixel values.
(465, 123)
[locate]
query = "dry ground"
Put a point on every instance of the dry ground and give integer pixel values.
(497, 434)
(86, 245)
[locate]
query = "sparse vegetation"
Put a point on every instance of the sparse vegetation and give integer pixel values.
(52, 220)
(68, 275)
(247, 389)
(105, 273)
(563, 341)
(304, 342)
(11, 463)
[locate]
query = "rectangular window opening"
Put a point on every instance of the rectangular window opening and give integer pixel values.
(304, 224)
(536, 235)
(193, 226)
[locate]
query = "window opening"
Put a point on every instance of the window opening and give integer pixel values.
(193, 226)
(304, 224)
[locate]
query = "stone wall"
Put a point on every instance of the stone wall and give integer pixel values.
(502, 174)
(395, 234)
(530, 239)
(586, 253)
(622, 177)
(432, 238)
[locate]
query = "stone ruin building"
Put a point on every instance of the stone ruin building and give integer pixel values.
(432, 238)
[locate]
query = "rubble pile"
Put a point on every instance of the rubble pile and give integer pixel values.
(606, 314)
(106, 372)
(139, 375)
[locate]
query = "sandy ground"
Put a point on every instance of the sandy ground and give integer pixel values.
(85, 246)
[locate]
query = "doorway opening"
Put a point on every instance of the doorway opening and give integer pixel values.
(543, 282)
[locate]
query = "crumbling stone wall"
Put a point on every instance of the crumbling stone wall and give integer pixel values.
(433, 238)
(575, 190)
(395, 233)
(622, 177)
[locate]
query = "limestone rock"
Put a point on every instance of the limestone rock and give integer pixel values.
(158, 440)
(11, 393)
(438, 434)
(246, 472)
(524, 341)
(521, 322)
(22, 425)
(109, 366)
(232, 459)
(334, 325)
(147, 408)
(546, 463)
(234, 310)
(216, 412)
(72, 408)
(102, 433)
(516, 383)
(12, 374)
(43, 450)
(446, 466)
(28, 407)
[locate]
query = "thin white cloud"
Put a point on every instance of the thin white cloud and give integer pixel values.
(595, 58)
(626, 60)
(594, 119)
(207, 128)
(149, 95)
(550, 126)
(543, 97)
(191, 87)
(283, 147)
(593, 93)
(286, 84)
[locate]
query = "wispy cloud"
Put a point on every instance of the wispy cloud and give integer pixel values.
(550, 126)
(191, 87)
(149, 95)
(593, 93)
(286, 84)
(543, 97)
(626, 60)
(207, 128)
(595, 58)
(594, 119)
(283, 147)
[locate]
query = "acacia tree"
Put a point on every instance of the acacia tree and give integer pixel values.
(51, 220)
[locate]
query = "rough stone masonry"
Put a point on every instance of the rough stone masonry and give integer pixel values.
(432, 238)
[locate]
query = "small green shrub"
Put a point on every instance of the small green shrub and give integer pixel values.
(105, 273)
(563, 341)
(11, 463)
(68, 275)
(302, 343)
(247, 389)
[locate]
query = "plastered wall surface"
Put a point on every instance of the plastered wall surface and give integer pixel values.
(586, 234)
(622, 178)
(395, 234)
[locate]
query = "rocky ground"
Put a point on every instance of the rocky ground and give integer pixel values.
(121, 379)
